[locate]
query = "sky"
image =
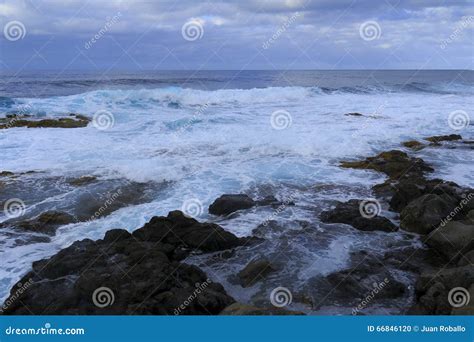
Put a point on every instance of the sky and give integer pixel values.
(279, 34)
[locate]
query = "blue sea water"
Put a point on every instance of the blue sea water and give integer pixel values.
(207, 133)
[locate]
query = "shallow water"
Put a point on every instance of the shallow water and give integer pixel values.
(204, 140)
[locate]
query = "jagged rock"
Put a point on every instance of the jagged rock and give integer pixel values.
(452, 238)
(141, 271)
(425, 213)
(349, 213)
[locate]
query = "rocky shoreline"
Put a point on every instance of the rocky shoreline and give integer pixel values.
(145, 272)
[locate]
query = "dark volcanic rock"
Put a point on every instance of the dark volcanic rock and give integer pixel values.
(396, 164)
(141, 271)
(349, 213)
(452, 239)
(227, 204)
(425, 213)
(432, 291)
(255, 271)
(73, 121)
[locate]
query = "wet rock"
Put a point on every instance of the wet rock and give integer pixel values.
(239, 309)
(425, 213)
(6, 174)
(141, 273)
(46, 223)
(83, 180)
(353, 114)
(432, 289)
(439, 138)
(74, 121)
(413, 144)
(466, 259)
(350, 213)
(207, 237)
(255, 271)
(407, 190)
(395, 164)
(227, 204)
(452, 239)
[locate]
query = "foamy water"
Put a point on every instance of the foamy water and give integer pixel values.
(210, 142)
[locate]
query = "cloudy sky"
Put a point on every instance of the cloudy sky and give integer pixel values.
(245, 34)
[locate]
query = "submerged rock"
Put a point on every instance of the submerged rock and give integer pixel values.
(350, 213)
(255, 271)
(438, 138)
(125, 273)
(83, 180)
(46, 223)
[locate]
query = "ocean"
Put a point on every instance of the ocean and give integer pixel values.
(191, 136)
